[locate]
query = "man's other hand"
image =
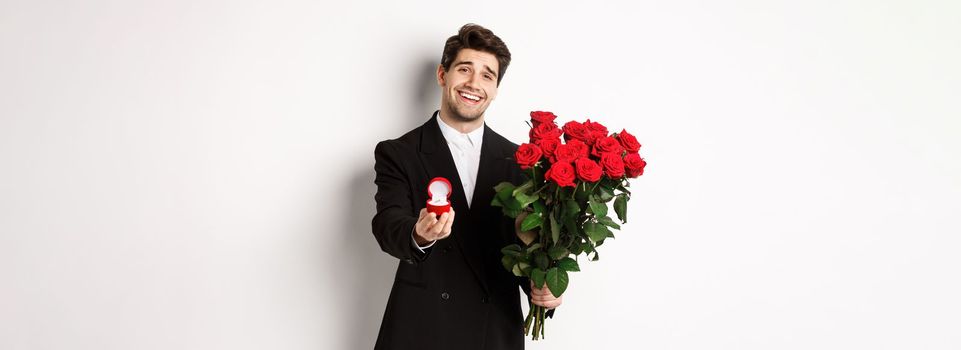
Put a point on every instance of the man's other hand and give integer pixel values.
(543, 297)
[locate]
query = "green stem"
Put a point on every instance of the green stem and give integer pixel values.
(527, 323)
(541, 312)
(537, 331)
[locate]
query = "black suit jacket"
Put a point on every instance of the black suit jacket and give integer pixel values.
(457, 295)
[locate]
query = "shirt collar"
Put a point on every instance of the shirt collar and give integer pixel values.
(475, 137)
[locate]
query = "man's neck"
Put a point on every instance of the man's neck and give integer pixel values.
(461, 126)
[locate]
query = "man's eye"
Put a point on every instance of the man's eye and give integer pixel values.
(463, 70)
(489, 77)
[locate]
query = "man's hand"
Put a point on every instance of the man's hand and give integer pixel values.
(429, 228)
(543, 297)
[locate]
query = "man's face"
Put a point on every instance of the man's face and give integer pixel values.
(470, 85)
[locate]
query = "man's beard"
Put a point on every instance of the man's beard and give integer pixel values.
(462, 117)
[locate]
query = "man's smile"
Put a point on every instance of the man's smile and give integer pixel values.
(469, 98)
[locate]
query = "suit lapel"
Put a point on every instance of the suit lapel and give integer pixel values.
(494, 162)
(435, 156)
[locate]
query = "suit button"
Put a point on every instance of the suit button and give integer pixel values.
(486, 300)
(409, 261)
(445, 296)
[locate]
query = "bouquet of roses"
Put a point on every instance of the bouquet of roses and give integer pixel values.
(562, 208)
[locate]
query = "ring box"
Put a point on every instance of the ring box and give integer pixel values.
(438, 190)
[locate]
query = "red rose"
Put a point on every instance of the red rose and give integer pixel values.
(588, 170)
(548, 146)
(628, 141)
(545, 131)
(582, 149)
(607, 144)
(538, 117)
(565, 153)
(527, 155)
(576, 131)
(562, 174)
(613, 165)
(596, 127)
(634, 165)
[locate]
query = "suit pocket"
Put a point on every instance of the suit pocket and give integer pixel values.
(410, 274)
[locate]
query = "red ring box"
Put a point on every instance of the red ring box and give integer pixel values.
(438, 190)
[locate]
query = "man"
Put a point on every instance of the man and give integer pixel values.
(450, 290)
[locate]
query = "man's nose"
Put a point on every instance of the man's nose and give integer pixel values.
(471, 80)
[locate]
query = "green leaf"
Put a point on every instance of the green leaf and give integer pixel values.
(522, 188)
(571, 209)
(577, 248)
(540, 208)
(532, 221)
(524, 199)
(620, 207)
(595, 231)
(571, 227)
(534, 247)
(557, 280)
(542, 261)
(588, 247)
(513, 250)
(599, 209)
(555, 229)
(508, 262)
(581, 192)
(605, 193)
(505, 199)
(607, 221)
(519, 269)
(512, 203)
(503, 185)
(556, 252)
(568, 264)
(597, 256)
(538, 276)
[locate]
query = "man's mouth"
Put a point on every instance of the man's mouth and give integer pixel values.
(469, 98)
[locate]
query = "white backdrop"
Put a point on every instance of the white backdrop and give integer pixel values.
(199, 174)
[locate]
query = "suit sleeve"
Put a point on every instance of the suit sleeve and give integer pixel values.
(395, 218)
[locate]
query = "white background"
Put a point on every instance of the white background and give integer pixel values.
(199, 174)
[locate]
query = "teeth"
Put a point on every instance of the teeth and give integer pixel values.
(469, 96)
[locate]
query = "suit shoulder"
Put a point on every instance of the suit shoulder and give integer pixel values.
(503, 142)
(405, 143)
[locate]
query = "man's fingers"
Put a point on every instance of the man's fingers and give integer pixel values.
(542, 295)
(547, 301)
(548, 304)
(432, 227)
(438, 226)
(540, 291)
(450, 223)
(424, 223)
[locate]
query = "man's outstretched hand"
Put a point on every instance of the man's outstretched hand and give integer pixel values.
(430, 228)
(543, 297)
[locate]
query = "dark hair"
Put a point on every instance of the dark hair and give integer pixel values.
(472, 36)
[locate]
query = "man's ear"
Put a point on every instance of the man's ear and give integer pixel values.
(441, 75)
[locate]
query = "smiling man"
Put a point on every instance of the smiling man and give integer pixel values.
(450, 290)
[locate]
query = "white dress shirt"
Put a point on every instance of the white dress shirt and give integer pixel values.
(465, 149)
